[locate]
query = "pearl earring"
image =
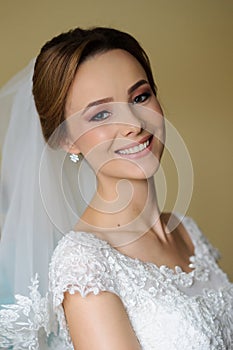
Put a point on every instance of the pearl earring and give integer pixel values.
(74, 157)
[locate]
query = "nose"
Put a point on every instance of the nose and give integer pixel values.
(130, 122)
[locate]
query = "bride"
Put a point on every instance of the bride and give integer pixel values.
(123, 274)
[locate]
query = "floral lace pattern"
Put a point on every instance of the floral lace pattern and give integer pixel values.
(196, 307)
(187, 310)
(22, 324)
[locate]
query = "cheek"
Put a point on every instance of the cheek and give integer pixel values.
(94, 140)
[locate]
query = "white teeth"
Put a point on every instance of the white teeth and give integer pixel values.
(135, 149)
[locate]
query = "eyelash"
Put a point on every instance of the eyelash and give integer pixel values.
(145, 96)
(102, 115)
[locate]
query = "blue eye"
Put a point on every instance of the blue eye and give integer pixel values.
(141, 98)
(100, 116)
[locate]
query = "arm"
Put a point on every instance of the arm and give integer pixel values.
(99, 322)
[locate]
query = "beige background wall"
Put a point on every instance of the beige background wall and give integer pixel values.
(190, 46)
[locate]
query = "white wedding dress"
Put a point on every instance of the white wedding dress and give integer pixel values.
(167, 309)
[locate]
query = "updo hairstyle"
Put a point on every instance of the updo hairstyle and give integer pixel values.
(57, 64)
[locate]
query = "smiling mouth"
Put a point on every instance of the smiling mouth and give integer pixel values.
(136, 149)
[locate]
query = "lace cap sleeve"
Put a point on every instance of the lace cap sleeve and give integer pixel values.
(80, 264)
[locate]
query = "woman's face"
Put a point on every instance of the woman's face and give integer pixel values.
(114, 118)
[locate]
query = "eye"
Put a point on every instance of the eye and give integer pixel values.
(101, 116)
(141, 98)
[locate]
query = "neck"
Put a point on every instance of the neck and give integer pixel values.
(123, 206)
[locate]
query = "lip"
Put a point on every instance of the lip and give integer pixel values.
(144, 139)
(138, 154)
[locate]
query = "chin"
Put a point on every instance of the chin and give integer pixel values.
(129, 170)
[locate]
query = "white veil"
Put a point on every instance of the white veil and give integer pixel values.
(38, 202)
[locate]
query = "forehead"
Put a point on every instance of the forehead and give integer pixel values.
(108, 74)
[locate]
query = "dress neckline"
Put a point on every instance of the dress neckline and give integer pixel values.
(194, 263)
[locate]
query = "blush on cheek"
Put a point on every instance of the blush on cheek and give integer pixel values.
(96, 140)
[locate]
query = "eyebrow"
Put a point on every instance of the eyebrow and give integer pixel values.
(110, 99)
(136, 85)
(97, 102)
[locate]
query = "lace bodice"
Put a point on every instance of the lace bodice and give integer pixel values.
(167, 309)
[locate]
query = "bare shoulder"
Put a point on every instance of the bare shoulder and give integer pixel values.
(99, 322)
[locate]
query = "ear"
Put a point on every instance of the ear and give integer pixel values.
(69, 147)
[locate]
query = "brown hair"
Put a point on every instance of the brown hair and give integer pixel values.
(56, 66)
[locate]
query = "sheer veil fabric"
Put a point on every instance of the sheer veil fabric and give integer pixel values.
(39, 197)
